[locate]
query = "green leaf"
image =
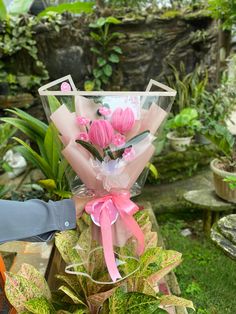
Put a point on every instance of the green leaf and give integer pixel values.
(107, 69)
(91, 149)
(112, 20)
(63, 194)
(101, 61)
(40, 306)
(153, 170)
(75, 8)
(3, 11)
(150, 262)
(99, 23)
(72, 295)
(105, 79)
(133, 302)
(191, 112)
(52, 148)
(48, 184)
(34, 157)
(34, 276)
(53, 103)
(62, 167)
(34, 124)
(95, 50)
(167, 300)
(114, 58)
(19, 290)
(21, 125)
(137, 138)
(170, 260)
(97, 73)
(117, 49)
(95, 36)
(66, 242)
(18, 7)
(73, 282)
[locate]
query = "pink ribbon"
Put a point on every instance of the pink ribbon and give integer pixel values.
(104, 212)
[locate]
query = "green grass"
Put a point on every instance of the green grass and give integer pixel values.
(206, 276)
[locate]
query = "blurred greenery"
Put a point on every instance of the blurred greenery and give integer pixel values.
(206, 276)
(225, 10)
(46, 156)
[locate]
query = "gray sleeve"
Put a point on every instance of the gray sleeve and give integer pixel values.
(35, 219)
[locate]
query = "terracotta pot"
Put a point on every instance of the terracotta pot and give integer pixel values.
(179, 143)
(222, 188)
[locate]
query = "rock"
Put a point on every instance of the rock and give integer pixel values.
(227, 227)
(64, 61)
(186, 232)
(168, 198)
(224, 234)
(151, 42)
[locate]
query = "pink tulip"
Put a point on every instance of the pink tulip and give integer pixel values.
(101, 133)
(123, 120)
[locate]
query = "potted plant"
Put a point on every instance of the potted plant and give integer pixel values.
(183, 127)
(223, 167)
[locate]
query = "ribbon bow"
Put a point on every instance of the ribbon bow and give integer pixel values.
(104, 212)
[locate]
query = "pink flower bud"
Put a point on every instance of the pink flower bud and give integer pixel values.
(123, 120)
(82, 120)
(101, 133)
(83, 136)
(118, 140)
(129, 154)
(104, 111)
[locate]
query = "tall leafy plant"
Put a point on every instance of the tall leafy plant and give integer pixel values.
(190, 87)
(29, 293)
(106, 53)
(47, 156)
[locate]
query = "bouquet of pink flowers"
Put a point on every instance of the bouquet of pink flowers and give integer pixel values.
(108, 140)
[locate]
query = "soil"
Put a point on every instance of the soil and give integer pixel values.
(225, 166)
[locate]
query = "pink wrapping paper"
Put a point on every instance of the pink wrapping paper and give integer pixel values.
(105, 185)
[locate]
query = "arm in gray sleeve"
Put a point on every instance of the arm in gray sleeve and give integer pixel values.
(35, 219)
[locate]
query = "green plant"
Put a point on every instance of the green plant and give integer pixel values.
(193, 288)
(28, 291)
(3, 190)
(75, 8)
(105, 51)
(220, 136)
(13, 28)
(225, 10)
(16, 7)
(218, 104)
(47, 157)
(6, 132)
(185, 123)
(190, 87)
(232, 182)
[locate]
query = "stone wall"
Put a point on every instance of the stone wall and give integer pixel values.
(151, 42)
